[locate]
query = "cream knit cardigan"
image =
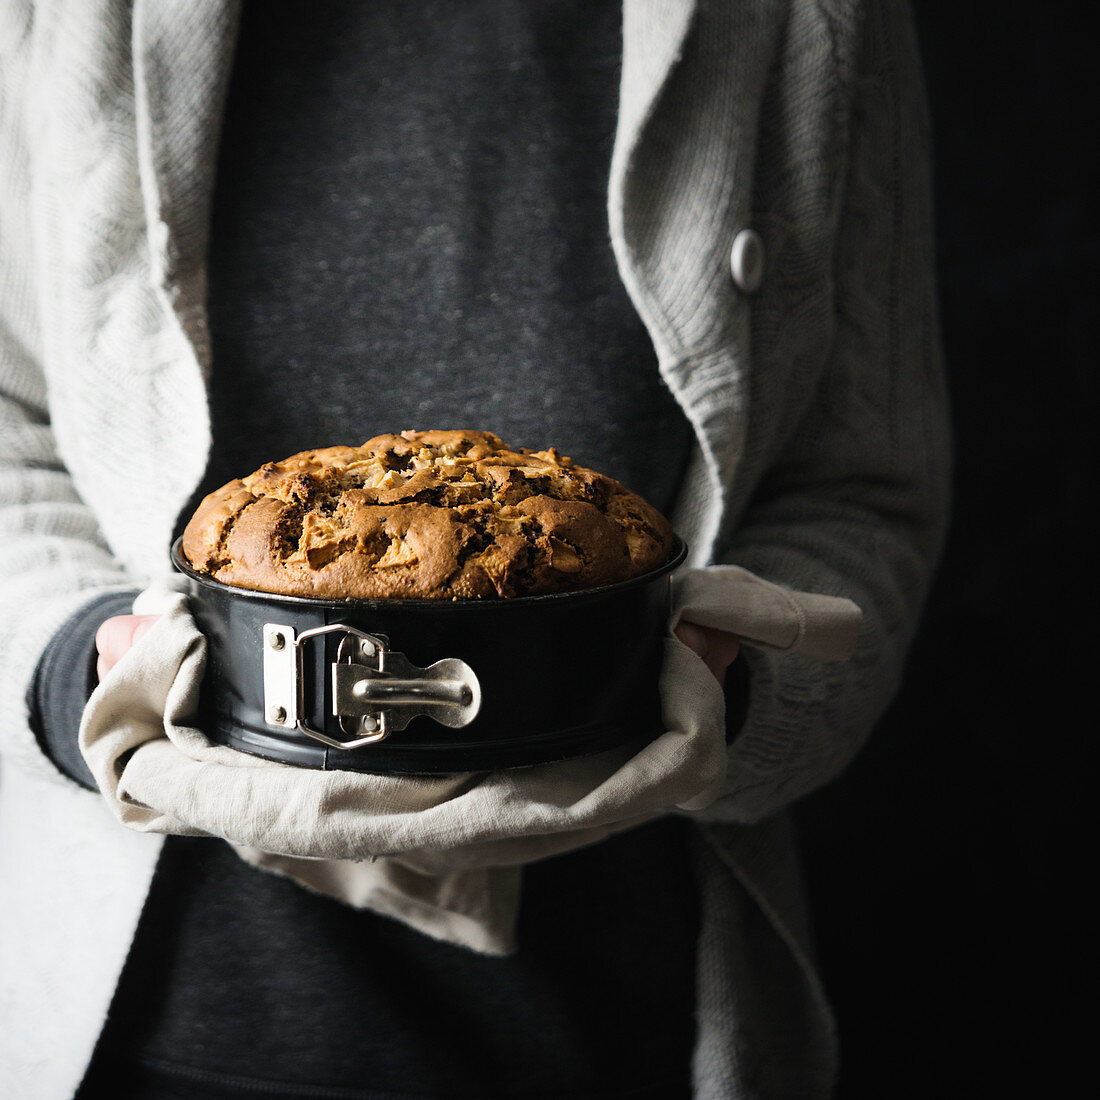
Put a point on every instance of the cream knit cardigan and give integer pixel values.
(822, 456)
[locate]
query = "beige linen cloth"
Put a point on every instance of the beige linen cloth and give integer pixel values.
(442, 854)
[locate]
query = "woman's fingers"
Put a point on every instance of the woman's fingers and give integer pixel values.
(722, 651)
(718, 648)
(116, 635)
(694, 637)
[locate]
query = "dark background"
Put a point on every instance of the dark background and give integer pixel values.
(946, 867)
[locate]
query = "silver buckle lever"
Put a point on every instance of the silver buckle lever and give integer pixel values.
(375, 689)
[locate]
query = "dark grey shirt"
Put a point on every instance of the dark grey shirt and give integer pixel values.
(410, 232)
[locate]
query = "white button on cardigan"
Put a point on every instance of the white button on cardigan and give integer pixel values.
(747, 260)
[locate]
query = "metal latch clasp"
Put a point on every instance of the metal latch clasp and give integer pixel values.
(375, 689)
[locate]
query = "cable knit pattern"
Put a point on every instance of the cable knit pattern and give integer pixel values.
(848, 496)
(52, 551)
(817, 402)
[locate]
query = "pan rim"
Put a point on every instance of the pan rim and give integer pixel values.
(675, 560)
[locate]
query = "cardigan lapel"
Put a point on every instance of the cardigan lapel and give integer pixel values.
(119, 239)
(680, 190)
(653, 38)
(653, 34)
(178, 113)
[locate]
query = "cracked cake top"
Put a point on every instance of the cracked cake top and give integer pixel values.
(425, 515)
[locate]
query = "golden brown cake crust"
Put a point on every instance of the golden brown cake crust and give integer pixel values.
(425, 515)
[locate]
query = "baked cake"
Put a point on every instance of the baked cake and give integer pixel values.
(425, 515)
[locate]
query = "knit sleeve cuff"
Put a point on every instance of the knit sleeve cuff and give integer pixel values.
(65, 678)
(736, 688)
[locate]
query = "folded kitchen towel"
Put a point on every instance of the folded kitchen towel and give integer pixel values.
(444, 854)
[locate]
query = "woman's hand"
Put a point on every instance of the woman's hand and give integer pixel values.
(115, 636)
(718, 648)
